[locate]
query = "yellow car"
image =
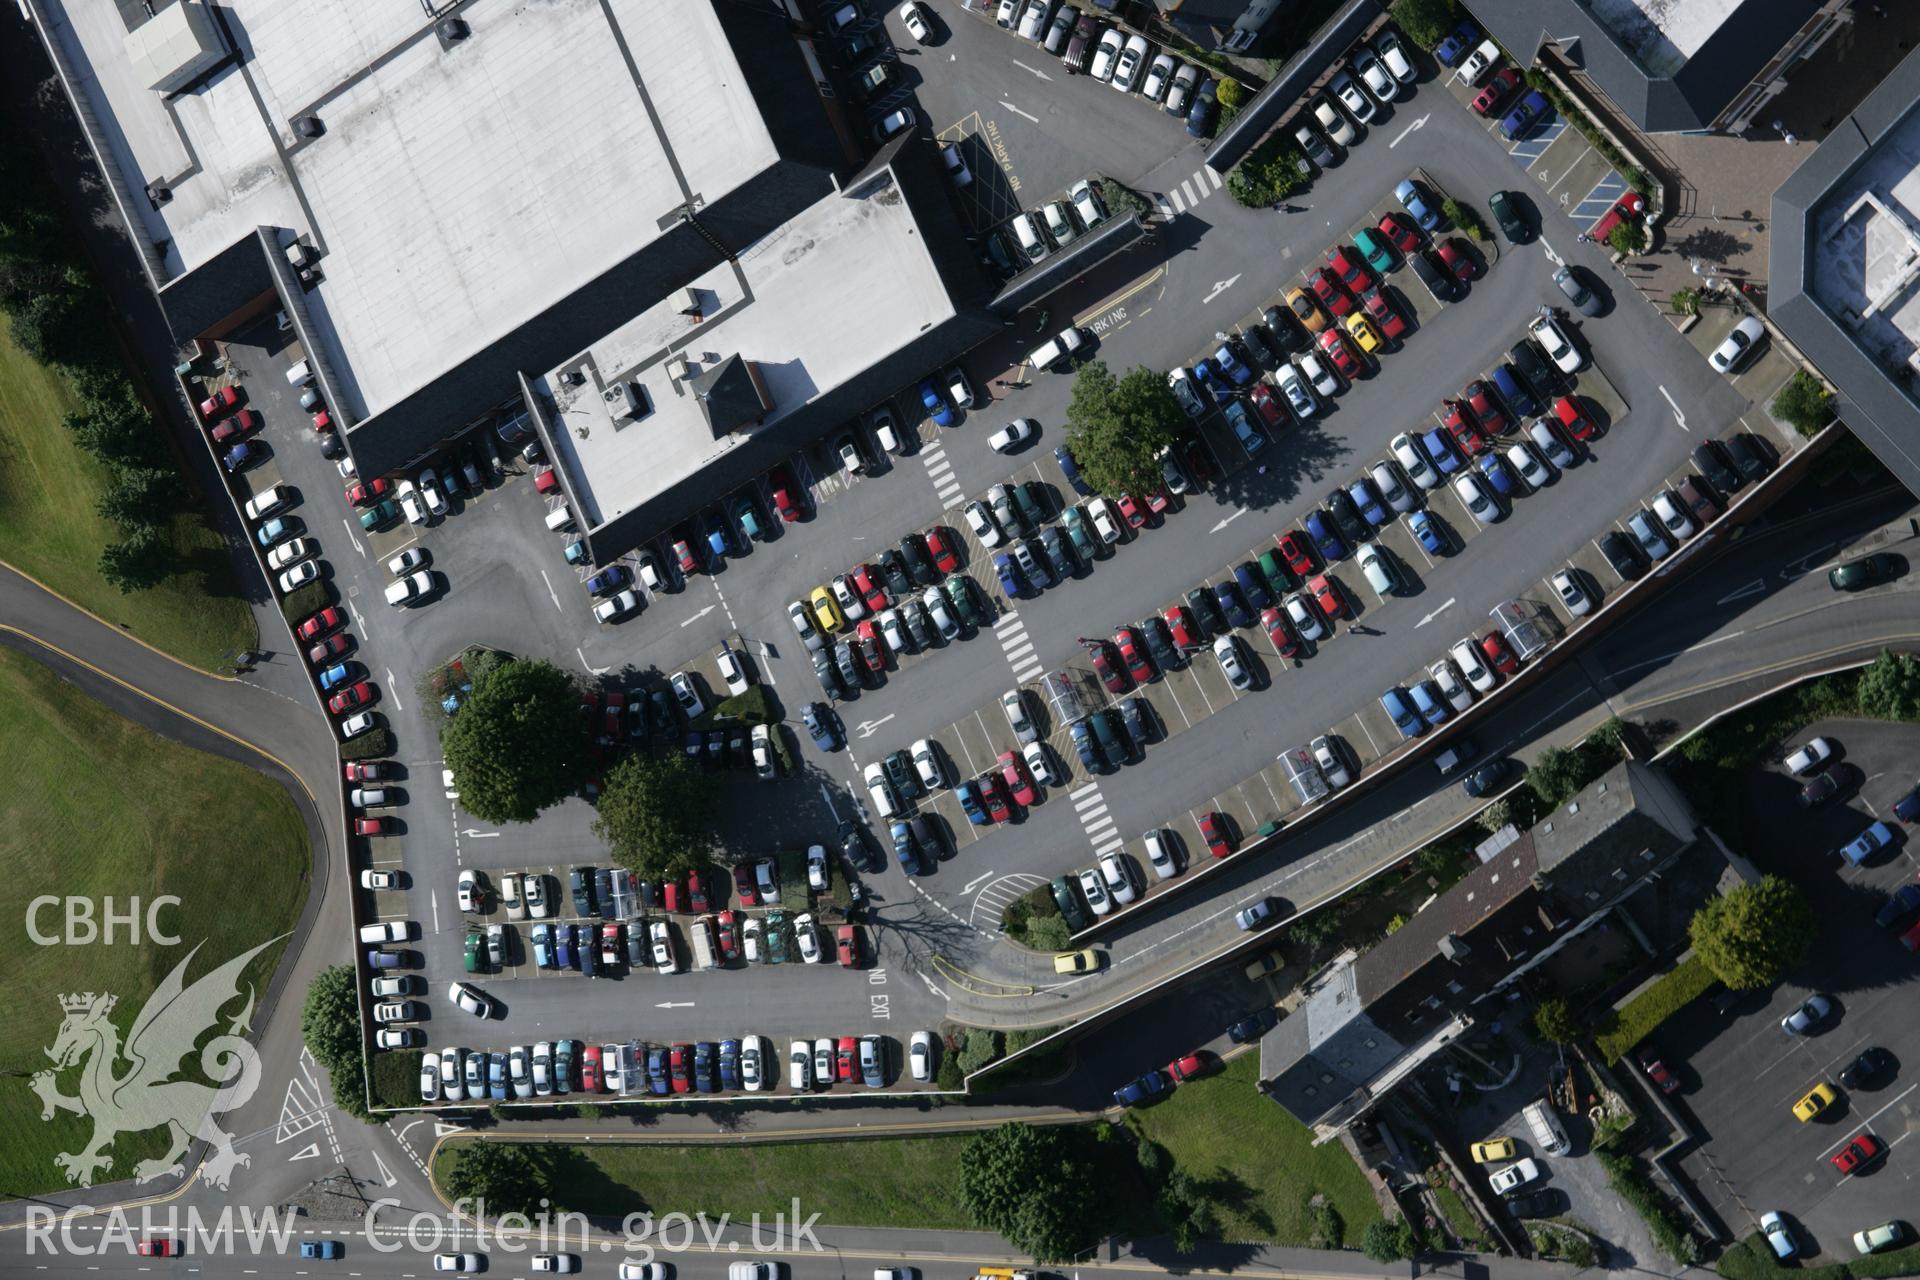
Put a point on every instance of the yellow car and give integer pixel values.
(1306, 309)
(1818, 1099)
(1365, 333)
(826, 610)
(1493, 1149)
(1264, 965)
(1085, 960)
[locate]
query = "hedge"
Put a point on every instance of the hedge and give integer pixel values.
(1646, 1011)
(396, 1078)
(755, 706)
(372, 745)
(306, 600)
(1629, 1181)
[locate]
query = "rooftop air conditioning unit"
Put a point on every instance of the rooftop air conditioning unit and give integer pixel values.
(573, 378)
(308, 126)
(678, 369)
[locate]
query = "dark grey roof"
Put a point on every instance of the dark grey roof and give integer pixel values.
(1871, 400)
(1628, 820)
(730, 395)
(1488, 889)
(1692, 96)
(1063, 268)
(1242, 133)
(200, 299)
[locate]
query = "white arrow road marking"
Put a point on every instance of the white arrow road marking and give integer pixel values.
(312, 1151)
(1437, 612)
(471, 834)
(441, 1130)
(348, 526)
(599, 671)
(827, 796)
(550, 592)
(1227, 520)
(1754, 588)
(433, 900)
(1017, 111)
(931, 986)
(867, 727)
(970, 885)
(674, 1004)
(1678, 416)
(1409, 129)
(696, 617)
(1552, 257)
(1220, 287)
(391, 696)
(1035, 70)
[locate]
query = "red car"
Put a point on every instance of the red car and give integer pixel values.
(940, 547)
(358, 694)
(1861, 1149)
(238, 425)
(1297, 550)
(1461, 427)
(1392, 324)
(727, 932)
(1501, 83)
(866, 640)
(743, 884)
(696, 893)
(370, 826)
(160, 1248)
(1213, 829)
(1275, 621)
(328, 619)
(1133, 651)
(786, 494)
(1273, 414)
(219, 402)
(846, 1060)
(846, 943)
(1158, 501)
(993, 797)
(1657, 1071)
(1499, 656)
(1105, 666)
(365, 770)
(1180, 623)
(683, 556)
(329, 649)
(1186, 1067)
(1628, 208)
(1352, 272)
(868, 587)
(1911, 938)
(364, 493)
(1572, 421)
(1327, 596)
(590, 1067)
(589, 710)
(1453, 252)
(1019, 783)
(545, 480)
(323, 422)
(1131, 511)
(1328, 290)
(679, 1067)
(1334, 343)
(1479, 398)
(1199, 464)
(613, 722)
(1400, 233)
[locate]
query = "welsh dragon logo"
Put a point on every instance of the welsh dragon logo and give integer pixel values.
(149, 1094)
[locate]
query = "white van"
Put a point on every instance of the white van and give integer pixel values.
(884, 432)
(1543, 1126)
(386, 931)
(300, 375)
(1058, 353)
(559, 518)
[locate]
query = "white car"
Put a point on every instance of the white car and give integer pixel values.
(806, 936)
(819, 873)
(1319, 375)
(764, 764)
(803, 625)
(1352, 97)
(1332, 123)
(413, 587)
(468, 999)
(1526, 460)
(1180, 382)
(1013, 435)
(431, 493)
(1738, 347)
(1446, 678)
(959, 388)
(1106, 520)
(956, 165)
(926, 763)
(1132, 61)
(1154, 87)
(1810, 757)
(1648, 535)
(615, 607)
(800, 1066)
(1159, 854)
(1466, 656)
(1226, 651)
(732, 670)
(1548, 442)
(649, 573)
(466, 889)
(913, 16)
(264, 504)
(1378, 572)
(1817, 1008)
(1779, 1235)
(1391, 52)
(1307, 618)
(755, 1058)
(891, 630)
(1374, 74)
(1086, 204)
(299, 576)
(292, 552)
(1059, 220)
(539, 907)
(1479, 62)
(1333, 767)
(1106, 53)
(1180, 92)
(880, 790)
(463, 1263)
(1018, 720)
(407, 561)
(1516, 1175)
(935, 603)
(410, 504)
(1061, 27)
(1008, 10)
(848, 599)
(1113, 869)
(920, 1056)
(823, 1048)
(1559, 348)
(358, 723)
(1096, 892)
(691, 704)
(559, 1263)
(980, 520)
(1473, 495)
(1571, 593)
(1033, 19)
(1040, 764)
(400, 1038)
(660, 938)
(1673, 515)
(1295, 389)
(750, 939)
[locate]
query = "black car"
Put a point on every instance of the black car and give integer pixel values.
(1535, 1204)
(1254, 339)
(893, 567)
(1867, 571)
(1820, 788)
(1872, 1064)
(927, 836)
(1346, 518)
(1621, 553)
(740, 747)
(1534, 368)
(1032, 501)
(1233, 604)
(1107, 731)
(1059, 551)
(824, 669)
(1206, 613)
(1750, 456)
(1139, 726)
(1438, 280)
(1252, 1026)
(1485, 777)
(1285, 329)
(716, 749)
(899, 769)
(581, 878)
(1710, 459)
(1501, 204)
(603, 888)
(853, 847)
(913, 549)
(1160, 644)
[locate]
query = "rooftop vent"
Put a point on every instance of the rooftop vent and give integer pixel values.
(158, 192)
(452, 29)
(573, 378)
(309, 126)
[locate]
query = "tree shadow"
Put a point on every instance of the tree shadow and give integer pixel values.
(1306, 457)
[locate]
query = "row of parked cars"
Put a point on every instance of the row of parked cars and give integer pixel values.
(1114, 56)
(1503, 93)
(1375, 77)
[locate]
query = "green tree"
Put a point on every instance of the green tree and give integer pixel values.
(1753, 934)
(500, 1177)
(1559, 773)
(1116, 427)
(1890, 687)
(1036, 1187)
(140, 560)
(1187, 1209)
(656, 814)
(1385, 1241)
(1230, 94)
(1554, 1021)
(1048, 933)
(1686, 302)
(1268, 175)
(330, 1025)
(517, 745)
(1804, 403)
(1426, 22)
(139, 496)
(1624, 237)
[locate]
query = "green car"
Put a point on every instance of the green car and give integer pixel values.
(776, 936)
(960, 592)
(1500, 204)
(1868, 571)
(380, 515)
(1278, 576)
(1374, 249)
(1082, 537)
(473, 953)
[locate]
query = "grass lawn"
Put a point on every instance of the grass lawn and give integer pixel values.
(1221, 1129)
(48, 528)
(97, 807)
(879, 1183)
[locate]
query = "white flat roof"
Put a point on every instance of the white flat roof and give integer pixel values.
(1663, 34)
(456, 191)
(1865, 238)
(825, 297)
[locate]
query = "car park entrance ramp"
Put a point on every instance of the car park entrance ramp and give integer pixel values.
(1529, 629)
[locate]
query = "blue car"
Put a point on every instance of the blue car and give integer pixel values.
(1364, 497)
(1414, 201)
(1147, 1088)
(1518, 398)
(1428, 702)
(1071, 470)
(543, 946)
(242, 456)
(936, 404)
(1530, 111)
(1235, 369)
(704, 1055)
(497, 1076)
(905, 848)
(1326, 539)
(1394, 703)
(1083, 744)
(338, 674)
(274, 530)
(1243, 429)
(608, 580)
(1208, 375)
(1452, 49)
(819, 725)
(563, 945)
(967, 793)
(1254, 587)
(1440, 452)
(657, 1082)
(1427, 530)
(717, 537)
(1009, 576)
(1869, 842)
(1498, 474)
(1200, 114)
(327, 1249)
(729, 1064)
(1232, 604)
